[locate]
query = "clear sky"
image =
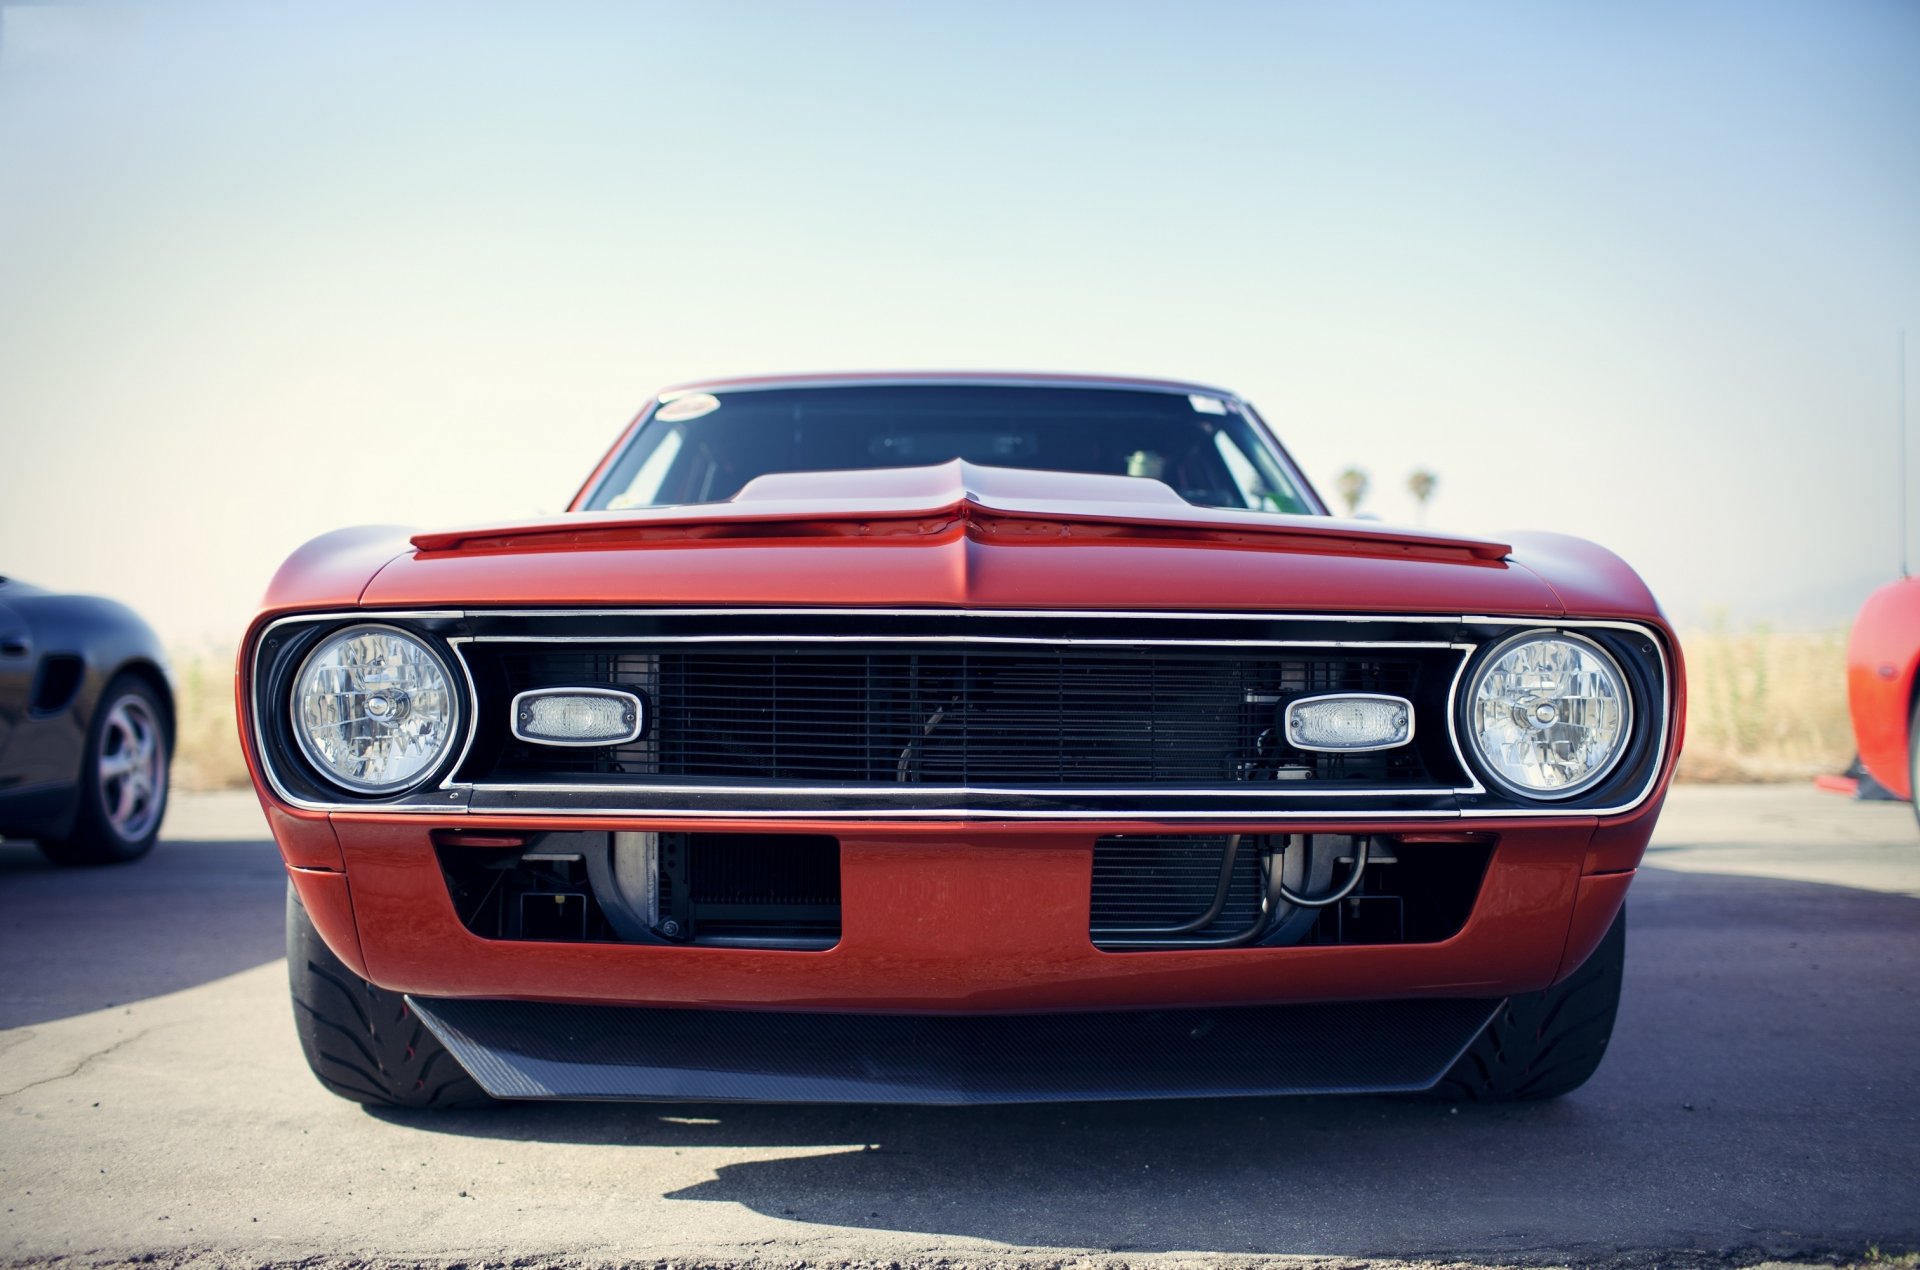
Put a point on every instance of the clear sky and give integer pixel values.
(1626, 270)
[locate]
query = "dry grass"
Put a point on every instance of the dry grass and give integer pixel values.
(1891, 1260)
(208, 745)
(1764, 706)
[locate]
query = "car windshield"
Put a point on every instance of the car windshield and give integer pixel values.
(703, 447)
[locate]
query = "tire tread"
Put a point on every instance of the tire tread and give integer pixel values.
(350, 1044)
(1545, 1044)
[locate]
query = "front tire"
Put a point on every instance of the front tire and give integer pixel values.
(1913, 760)
(1545, 1044)
(123, 780)
(365, 1043)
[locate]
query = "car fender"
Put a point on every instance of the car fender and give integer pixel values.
(1883, 658)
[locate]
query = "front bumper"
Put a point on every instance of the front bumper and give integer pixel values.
(956, 918)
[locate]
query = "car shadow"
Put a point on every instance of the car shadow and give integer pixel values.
(1760, 1083)
(77, 940)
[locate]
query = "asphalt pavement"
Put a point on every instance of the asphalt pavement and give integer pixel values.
(1759, 1101)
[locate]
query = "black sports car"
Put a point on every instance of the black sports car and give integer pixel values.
(86, 726)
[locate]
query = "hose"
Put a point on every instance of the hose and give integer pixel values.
(1346, 889)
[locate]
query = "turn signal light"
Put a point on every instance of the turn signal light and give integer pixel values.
(578, 716)
(1349, 721)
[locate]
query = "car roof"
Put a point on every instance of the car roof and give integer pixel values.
(878, 378)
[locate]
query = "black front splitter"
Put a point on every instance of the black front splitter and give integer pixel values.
(520, 1049)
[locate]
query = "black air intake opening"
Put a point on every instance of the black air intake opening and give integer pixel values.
(750, 889)
(711, 889)
(58, 681)
(1162, 891)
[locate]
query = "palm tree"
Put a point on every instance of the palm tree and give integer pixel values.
(1421, 483)
(1352, 484)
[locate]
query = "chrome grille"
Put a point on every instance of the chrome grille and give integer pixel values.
(961, 715)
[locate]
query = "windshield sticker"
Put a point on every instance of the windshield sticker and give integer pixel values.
(1206, 405)
(691, 406)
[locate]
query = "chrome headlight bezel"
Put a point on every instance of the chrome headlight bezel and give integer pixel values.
(450, 732)
(1473, 747)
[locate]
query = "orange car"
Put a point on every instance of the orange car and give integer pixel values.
(955, 738)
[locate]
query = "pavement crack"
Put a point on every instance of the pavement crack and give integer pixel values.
(78, 1067)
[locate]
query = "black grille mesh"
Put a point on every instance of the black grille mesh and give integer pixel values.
(934, 715)
(1144, 885)
(776, 886)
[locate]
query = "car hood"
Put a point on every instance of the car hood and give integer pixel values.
(896, 502)
(960, 535)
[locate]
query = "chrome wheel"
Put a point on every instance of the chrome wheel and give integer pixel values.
(132, 764)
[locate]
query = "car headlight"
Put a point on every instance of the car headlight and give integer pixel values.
(374, 709)
(1548, 714)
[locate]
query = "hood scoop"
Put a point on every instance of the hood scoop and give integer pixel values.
(988, 503)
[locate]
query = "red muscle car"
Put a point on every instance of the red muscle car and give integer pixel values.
(954, 738)
(1883, 656)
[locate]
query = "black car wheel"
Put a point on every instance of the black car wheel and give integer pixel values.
(123, 787)
(1913, 759)
(1545, 1044)
(365, 1043)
